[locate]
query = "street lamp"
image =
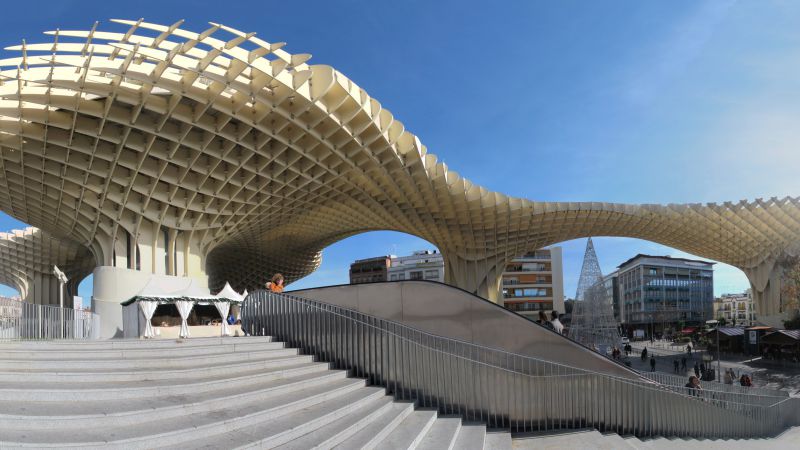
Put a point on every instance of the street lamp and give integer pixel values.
(716, 324)
(62, 280)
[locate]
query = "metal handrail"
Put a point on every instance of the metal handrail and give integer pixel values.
(674, 380)
(502, 389)
(21, 320)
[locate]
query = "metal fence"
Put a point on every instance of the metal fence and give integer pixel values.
(675, 380)
(27, 321)
(502, 389)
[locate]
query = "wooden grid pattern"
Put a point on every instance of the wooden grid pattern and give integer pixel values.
(27, 257)
(264, 160)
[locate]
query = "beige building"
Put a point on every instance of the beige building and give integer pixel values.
(736, 309)
(534, 282)
(221, 157)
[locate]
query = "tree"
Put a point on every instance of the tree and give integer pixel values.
(722, 321)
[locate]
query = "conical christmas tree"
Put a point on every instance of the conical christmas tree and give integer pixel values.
(593, 322)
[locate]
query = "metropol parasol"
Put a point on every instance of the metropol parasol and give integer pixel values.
(152, 150)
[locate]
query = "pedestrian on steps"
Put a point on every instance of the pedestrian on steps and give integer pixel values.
(275, 285)
(558, 327)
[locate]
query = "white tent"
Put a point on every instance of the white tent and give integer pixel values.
(139, 310)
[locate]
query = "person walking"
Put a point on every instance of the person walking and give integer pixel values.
(558, 327)
(694, 386)
(543, 320)
(728, 376)
(689, 350)
(644, 354)
(683, 364)
(676, 365)
(275, 285)
(696, 369)
(652, 363)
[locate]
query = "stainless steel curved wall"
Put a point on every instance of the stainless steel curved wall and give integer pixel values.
(451, 312)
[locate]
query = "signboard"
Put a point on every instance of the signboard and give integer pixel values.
(77, 302)
(753, 337)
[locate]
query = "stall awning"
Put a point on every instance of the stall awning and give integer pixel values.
(782, 337)
(165, 293)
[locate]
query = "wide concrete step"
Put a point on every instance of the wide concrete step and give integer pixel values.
(196, 427)
(342, 429)
(285, 429)
(134, 353)
(75, 377)
(377, 430)
(152, 362)
(471, 437)
(51, 415)
(148, 389)
(410, 431)
(442, 435)
(121, 344)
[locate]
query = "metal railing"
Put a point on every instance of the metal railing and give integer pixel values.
(502, 389)
(675, 380)
(21, 320)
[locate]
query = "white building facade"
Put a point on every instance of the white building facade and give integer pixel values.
(736, 309)
(421, 265)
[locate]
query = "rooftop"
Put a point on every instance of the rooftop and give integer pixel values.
(665, 257)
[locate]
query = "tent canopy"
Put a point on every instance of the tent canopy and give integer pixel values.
(164, 293)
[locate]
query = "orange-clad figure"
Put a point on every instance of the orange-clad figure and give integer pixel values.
(276, 284)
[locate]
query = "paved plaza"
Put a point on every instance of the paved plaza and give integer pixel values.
(763, 373)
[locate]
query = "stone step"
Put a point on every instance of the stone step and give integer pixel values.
(49, 416)
(134, 353)
(342, 429)
(280, 358)
(410, 431)
(144, 363)
(120, 344)
(442, 435)
(498, 440)
(379, 428)
(196, 427)
(471, 437)
(132, 390)
(287, 428)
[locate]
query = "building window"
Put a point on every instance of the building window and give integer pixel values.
(431, 274)
(394, 277)
(415, 275)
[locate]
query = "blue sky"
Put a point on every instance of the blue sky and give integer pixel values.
(623, 101)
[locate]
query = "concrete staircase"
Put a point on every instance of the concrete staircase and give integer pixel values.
(593, 439)
(206, 393)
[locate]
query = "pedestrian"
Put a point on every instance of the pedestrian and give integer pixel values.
(543, 320)
(694, 385)
(676, 365)
(653, 363)
(651, 338)
(696, 370)
(683, 363)
(644, 354)
(558, 327)
(745, 380)
(689, 349)
(728, 376)
(275, 285)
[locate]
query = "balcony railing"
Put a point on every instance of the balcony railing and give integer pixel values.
(502, 389)
(27, 321)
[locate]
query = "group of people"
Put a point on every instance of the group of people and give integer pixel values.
(554, 324)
